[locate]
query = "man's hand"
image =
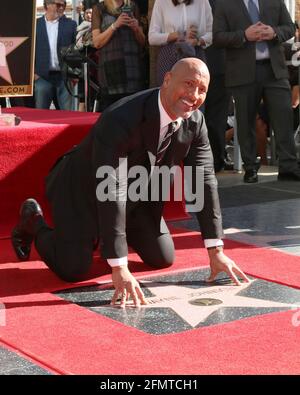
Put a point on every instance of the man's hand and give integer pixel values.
(253, 32)
(260, 32)
(219, 262)
(126, 286)
(267, 32)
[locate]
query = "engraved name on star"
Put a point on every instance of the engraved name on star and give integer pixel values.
(179, 298)
(8, 45)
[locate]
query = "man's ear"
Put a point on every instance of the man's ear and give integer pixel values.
(167, 79)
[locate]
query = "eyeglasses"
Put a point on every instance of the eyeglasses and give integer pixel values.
(60, 5)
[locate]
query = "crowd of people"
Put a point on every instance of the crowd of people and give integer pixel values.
(240, 45)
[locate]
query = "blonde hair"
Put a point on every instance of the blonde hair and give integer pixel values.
(112, 7)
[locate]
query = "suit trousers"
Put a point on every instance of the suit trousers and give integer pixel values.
(216, 113)
(70, 260)
(276, 94)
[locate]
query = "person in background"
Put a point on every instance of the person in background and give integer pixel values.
(53, 31)
(84, 41)
(117, 33)
(217, 104)
(84, 30)
(252, 33)
(181, 28)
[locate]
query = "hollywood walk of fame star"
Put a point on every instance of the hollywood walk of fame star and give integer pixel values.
(9, 44)
(183, 300)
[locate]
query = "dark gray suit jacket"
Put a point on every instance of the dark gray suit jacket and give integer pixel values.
(231, 19)
(128, 129)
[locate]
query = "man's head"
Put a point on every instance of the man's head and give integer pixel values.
(55, 8)
(184, 88)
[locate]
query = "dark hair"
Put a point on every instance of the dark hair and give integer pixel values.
(47, 2)
(187, 2)
(89, 3)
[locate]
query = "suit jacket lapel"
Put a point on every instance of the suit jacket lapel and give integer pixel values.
(60, 32)
(44, 32)
(151, 127)
(245, 10)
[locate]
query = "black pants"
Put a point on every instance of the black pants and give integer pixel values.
(216, 112)
(277, 98)
(71, 260)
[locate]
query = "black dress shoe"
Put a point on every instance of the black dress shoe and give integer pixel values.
(289, 176)
(23, 234)
(250, 176)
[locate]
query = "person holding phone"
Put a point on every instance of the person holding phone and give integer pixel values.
(117, 33)
(180, 29)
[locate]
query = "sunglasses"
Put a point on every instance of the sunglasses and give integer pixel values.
(60, 5)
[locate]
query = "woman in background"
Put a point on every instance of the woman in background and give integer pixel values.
(181, 28)
(117, 33)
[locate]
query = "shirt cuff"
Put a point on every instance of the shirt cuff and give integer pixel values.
(114, 262)
(213, 243)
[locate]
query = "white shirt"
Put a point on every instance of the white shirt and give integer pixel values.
(165, 120)
(166, 19)
(164, 123)
(266, 53)
(52, 32)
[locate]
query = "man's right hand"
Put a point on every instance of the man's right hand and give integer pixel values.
(126, 286)
(253, 32)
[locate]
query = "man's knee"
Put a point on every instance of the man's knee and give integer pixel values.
(72, 261)
(161, 259)
(71, 275)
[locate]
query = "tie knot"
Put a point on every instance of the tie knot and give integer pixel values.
(172, 127)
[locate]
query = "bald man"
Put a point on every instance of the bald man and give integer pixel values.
(143, 132)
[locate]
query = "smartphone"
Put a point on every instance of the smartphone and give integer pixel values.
(127, 10)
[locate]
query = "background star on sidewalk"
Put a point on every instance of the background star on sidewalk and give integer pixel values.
(10, 44)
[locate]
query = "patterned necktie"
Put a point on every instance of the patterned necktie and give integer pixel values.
(165, 142)
(255, 17)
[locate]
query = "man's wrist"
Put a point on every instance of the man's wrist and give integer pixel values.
(213, 243)
(116, 269)
(216, 248)
(214, 251)
(117, 262)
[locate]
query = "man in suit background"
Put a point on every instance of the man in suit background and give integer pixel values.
(252, 32)
(53, 31)
(217, 101)
(139, 129)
